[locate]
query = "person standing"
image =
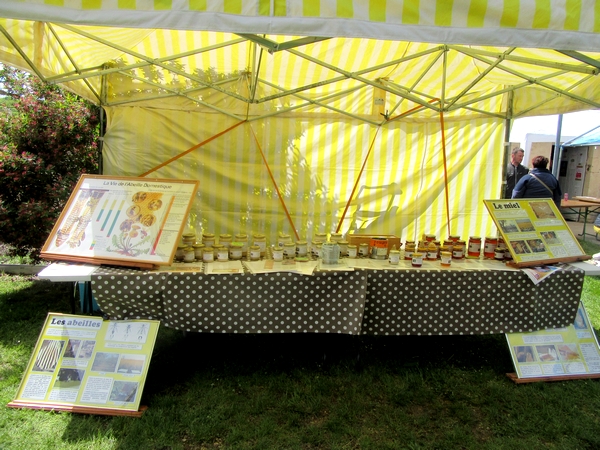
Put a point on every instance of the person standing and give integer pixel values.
(539, 183)
(514, 171)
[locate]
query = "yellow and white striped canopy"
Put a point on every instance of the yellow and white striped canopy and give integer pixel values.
(565, 25)
(302, 116)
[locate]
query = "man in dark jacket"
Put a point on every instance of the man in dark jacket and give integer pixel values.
(514, 171)
(539, 183)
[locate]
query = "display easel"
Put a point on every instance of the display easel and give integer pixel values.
(123, 221)
(88, 365)
(570, 353)
(76, 409)
(535, 232)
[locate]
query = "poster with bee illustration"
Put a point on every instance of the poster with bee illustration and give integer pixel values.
(122, 220)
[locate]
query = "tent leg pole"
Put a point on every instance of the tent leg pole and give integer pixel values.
(506, 152)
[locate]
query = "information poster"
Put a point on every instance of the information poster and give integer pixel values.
(87, 364)
(535, 231)
(122, 219)
(556, 352)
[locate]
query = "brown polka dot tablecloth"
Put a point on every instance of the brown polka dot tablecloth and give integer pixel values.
(428, 302)
(125, 293)
(385, 302)
(326, 302)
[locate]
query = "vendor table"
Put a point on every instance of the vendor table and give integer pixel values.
(388, 302)
(576, 207)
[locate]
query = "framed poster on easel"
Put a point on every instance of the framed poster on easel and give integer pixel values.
(88, 365)
(556, 354)
(535, 232)
(121, 221)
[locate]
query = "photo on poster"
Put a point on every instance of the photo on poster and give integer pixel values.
(105, 362)
(123, 391)
(87, 350)
(524, 353)
(520, 247)
(508, 226)
(542, 210)
(580, 322)
(72, 348)
(550, 238)
(569, 352)
(525, 225)
(131, 364)
(48, 356)
(69, 378)
(546, 353)
(536, 245)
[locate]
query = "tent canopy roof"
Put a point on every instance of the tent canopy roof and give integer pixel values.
(373, 61)
(591, 137)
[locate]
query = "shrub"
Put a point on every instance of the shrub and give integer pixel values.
(48, 138)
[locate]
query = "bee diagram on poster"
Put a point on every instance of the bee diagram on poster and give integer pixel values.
(121, 220)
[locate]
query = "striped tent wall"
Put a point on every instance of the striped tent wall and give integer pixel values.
(316, 166)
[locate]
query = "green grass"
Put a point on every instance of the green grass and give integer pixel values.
(208, 391)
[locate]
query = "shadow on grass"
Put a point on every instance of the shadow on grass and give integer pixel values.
(316, 391)
(219, 381)
(25, 301)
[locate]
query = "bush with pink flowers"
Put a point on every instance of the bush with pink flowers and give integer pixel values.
(48, 138)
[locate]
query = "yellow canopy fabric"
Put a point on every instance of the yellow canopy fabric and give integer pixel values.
(572, 24)
(346, 111)
(315, 165)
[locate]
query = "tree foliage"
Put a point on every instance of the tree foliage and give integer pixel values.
(48, 138)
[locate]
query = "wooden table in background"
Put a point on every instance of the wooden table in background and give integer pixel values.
(576, 207)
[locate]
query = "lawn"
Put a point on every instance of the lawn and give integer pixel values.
(306, 391)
